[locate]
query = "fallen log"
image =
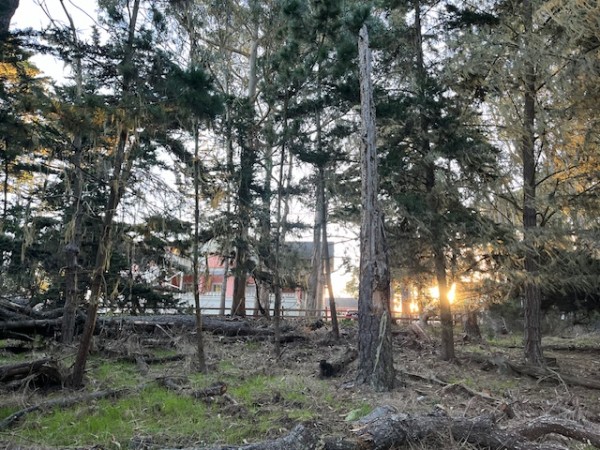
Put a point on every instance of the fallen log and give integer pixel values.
(14, 328)
(24, 329)
(581, 431)
(42, 371)
(540, 373)
(384, 428)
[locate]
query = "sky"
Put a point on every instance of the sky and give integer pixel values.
(35, 14)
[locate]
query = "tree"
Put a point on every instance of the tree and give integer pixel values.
(375, 339)
(524, 67)
(435, 160)
(7, 10)
(139, 85)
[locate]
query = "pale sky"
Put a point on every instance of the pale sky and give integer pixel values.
(34, 14)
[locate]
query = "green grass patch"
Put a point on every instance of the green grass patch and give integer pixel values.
(114, 374)
(267, 406)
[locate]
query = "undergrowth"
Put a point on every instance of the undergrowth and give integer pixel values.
(264, 405)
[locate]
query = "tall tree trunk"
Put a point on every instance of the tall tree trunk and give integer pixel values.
(230, 176)
(264, 286)
(117, 186)
(199, 338)
(532, 310)
(281, 211)
(447, 345)
(248, 144)
(73, 229)
(6, 166)
(374, 320)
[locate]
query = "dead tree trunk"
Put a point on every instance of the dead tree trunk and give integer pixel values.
(375, 339)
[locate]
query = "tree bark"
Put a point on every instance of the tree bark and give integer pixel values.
(471, 327)
(201, 360)
(7, 11)
(532, 306)
(314, 294)
(447, 344)
(375, 339)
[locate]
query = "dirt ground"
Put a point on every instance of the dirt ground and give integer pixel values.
(467, 387)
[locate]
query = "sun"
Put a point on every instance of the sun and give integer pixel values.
(435, 292)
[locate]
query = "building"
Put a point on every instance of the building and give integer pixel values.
(212, 284)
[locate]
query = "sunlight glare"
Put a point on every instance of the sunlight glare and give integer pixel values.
(435, 292)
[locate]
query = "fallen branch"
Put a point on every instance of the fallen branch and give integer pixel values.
(540, 373)
(581, 431)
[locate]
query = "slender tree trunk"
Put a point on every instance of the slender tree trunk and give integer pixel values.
(314, 295)
(264, 287)
(230, 174)
(335, 328)
(199, 337)
(282, 210)
(374, 320)
(223, 299)
(447, 347)
(325, 244)
(532, 310)
(73, 229)
(117, 181)
(102, 257)
(248, 144)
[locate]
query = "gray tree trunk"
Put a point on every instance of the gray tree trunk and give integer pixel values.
(374, 320)
(199, 338)
(314, 294)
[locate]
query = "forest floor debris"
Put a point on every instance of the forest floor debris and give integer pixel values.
(266, 397)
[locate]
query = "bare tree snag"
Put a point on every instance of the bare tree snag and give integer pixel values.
(374, 320)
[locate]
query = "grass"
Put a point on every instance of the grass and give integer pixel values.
(267, 406)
